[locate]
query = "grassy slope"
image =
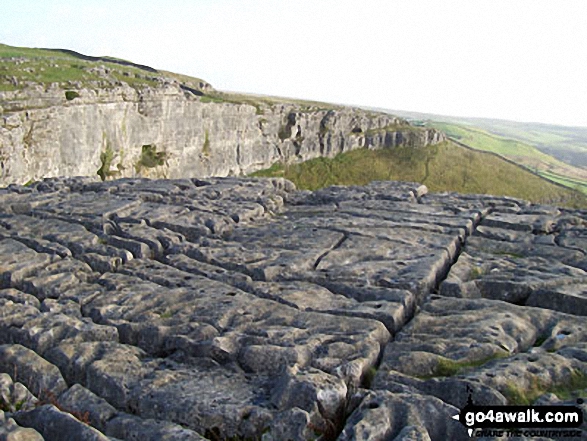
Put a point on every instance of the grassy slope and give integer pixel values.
(46, 66)
(568, 144)
(520, 152)
(444, 167)
(565, 143)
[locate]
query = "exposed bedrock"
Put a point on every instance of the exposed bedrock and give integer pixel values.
(167, 132)
(229, 308)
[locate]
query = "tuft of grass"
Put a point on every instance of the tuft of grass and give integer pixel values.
(476, 273)
(441, 167)
(369, 377)
(150, 157)
(540, 341)
(4, 406)
(8, 407)
(448, 368)
(517, 396)
(19, 405)
(106, 161)
(166, 315)
(71, 95)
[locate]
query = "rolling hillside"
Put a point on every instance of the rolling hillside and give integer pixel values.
(443, 167)
(557, 153)
(519, 152)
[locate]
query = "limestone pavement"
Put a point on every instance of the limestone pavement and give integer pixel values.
(231, 308)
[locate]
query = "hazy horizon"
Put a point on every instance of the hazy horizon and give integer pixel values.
(520, 61)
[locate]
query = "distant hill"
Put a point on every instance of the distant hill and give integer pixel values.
(557, 153)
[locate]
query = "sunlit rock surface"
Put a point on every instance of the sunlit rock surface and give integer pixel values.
(244, 309)
(168, 132)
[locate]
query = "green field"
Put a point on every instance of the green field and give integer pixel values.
(565, 143)
(558, 153)
(443, 167)
(520, 152)
(567, 182)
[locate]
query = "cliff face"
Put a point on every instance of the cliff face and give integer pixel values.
(172, 132)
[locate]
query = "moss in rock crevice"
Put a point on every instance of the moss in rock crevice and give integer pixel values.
(572, 388)
(106, 161)
(150, 157)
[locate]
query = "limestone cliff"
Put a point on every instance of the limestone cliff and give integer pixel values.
(175, 131)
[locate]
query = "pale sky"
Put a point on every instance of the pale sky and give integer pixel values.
(524, 60)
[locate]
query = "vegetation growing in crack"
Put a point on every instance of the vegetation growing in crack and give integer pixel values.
(284, 132)
(206, 147)
(48, 397)
(106, 162)
(12, 407)
(476, 272)
(574, 387)
(540, 341)
(446, 367)
(150, 157)
(369, 377)
(71, 95)
(166, 314)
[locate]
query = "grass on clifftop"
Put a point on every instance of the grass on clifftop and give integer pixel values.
(260, 102)
(21, 66)
(443, 167)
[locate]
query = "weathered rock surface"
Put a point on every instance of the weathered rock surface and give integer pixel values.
(169, 132)
(233, 308)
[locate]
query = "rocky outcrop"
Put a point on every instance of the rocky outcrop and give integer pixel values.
(244, 309)
(174, 131)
